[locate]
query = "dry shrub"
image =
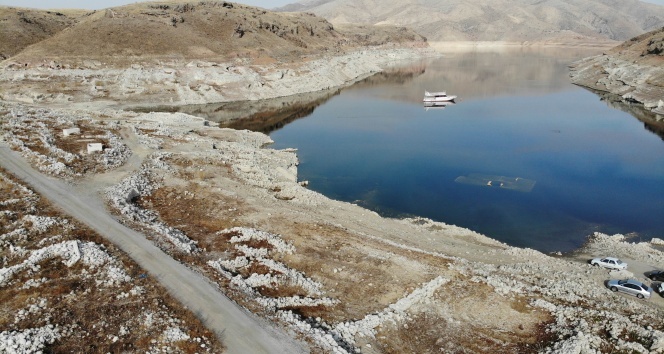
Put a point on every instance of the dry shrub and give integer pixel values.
(12, 300)
(258, 244)
(7, 189)
(37, 147)
(541, 339)
(229, 234)
(429, 333)
(187, 346)
(283, 290)
(199, 218)
(255, 268)
(309, 311)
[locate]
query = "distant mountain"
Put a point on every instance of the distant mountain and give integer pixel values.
(498, 20)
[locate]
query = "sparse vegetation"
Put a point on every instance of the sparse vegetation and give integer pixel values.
(92, 314)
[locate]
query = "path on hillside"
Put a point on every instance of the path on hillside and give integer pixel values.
(238, 329)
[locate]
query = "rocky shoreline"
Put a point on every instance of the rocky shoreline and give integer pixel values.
(633, 70)
(631, 81)
(177, 83)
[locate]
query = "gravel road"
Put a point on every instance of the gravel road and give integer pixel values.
(239, 330)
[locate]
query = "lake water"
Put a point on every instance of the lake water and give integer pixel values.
(594, 167)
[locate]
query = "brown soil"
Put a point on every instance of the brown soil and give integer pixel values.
(23, 27)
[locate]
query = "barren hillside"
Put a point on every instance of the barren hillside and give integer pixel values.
(20, 28)
(646, 48)
(484, 20)
(211, 30)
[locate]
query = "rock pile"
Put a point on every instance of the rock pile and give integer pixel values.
(31, 340)
(48, 255)
(279, 274)
(587, 316)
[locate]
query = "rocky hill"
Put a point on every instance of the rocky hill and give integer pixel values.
(633, 71)
(211, 30)
(190, 52)
(586, 21)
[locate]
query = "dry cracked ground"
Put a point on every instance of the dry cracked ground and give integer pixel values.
(340, 277)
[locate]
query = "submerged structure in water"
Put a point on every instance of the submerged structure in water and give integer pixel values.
(513, 183)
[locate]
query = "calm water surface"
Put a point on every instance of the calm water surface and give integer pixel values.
(595, 167)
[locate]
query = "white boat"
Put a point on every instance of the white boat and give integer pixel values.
(437, 97)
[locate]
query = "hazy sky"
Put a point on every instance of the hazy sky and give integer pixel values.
(102, 4)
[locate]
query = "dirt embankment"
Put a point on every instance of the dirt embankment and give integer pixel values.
(197, 82)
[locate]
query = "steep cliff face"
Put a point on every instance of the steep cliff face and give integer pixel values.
(633, 70)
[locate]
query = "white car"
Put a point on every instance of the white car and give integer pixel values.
(632, 287)
(609, 262)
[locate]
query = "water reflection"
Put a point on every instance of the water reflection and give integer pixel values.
(651, 121)
(272, 114)
(478, 74)
(262, 116)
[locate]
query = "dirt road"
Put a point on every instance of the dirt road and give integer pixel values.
(239, 330)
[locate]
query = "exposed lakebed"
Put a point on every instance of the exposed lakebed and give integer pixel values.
(523, 156)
